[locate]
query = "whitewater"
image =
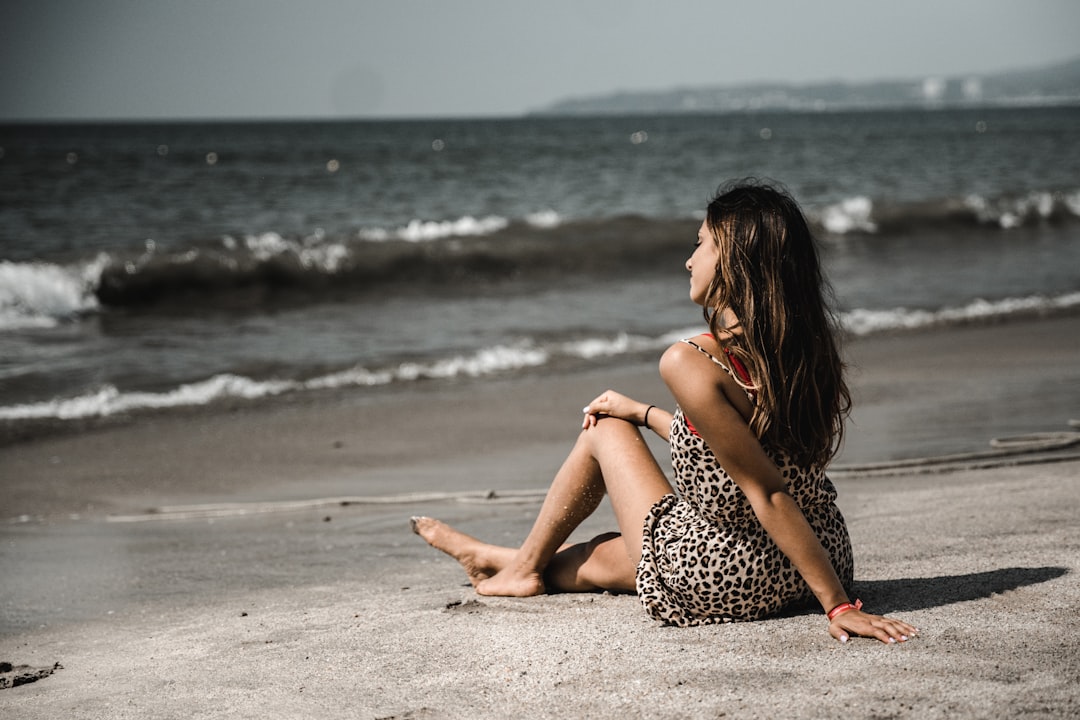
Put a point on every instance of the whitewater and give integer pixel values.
(252, 261)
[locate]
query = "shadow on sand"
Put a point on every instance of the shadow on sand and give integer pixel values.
(920, 593)
(883, 597)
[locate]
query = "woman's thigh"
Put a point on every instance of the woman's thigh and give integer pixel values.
(633, 479)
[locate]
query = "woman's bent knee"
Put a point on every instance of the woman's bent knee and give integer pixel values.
(609, 430)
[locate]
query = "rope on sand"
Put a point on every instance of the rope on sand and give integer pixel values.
(221, 510)
(1016, 450)
(1006, 451)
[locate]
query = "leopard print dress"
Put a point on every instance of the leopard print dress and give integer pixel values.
(705, 556)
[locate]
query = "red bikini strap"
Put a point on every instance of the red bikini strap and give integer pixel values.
(739, 367)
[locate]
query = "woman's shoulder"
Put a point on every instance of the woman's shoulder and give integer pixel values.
(696, 347)
(699, 366)
(692, 354)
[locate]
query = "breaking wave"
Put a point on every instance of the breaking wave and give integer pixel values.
(861, 214)
(524, 355)
(452, 256)
(257, 268)
(42, 295)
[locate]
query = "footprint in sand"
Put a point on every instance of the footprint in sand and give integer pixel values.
(15, 675)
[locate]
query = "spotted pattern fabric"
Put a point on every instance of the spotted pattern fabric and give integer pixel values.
(706, 558)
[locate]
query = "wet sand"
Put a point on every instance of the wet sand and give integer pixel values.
(337, 610)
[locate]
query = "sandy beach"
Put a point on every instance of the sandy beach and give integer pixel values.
(202, 563)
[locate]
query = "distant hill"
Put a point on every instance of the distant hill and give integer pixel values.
(1053, 85)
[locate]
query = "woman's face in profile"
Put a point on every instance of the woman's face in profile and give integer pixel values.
(702, 264)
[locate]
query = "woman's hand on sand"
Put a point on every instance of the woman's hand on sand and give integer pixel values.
(856, 622)
(613, 404)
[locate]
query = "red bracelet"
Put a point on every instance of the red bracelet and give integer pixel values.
(843, 608)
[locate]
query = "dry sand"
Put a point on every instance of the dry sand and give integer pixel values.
(338, 611)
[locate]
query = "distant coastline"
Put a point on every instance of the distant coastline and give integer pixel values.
(1057, 84)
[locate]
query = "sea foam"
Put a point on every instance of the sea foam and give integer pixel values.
(44, 294)
(426, 231)
(849, 215)
(109, 400)
(865, 322)
(1012, 212)
(466, 226)
(312, 252)
(494, 360)
(857, 214)
(544, 219)
(621, 344)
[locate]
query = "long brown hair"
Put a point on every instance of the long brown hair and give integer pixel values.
(769, 276)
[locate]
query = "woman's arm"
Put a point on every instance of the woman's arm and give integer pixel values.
(710, 398)
(613, 404)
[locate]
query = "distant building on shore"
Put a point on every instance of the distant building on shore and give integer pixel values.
(1054, 85)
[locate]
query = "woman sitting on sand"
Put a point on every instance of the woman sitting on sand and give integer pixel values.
(750, 525)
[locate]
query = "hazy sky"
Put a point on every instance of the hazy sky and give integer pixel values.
(407, 58)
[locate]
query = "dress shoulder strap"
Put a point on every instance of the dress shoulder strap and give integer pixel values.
(739, 373)
(703, 351)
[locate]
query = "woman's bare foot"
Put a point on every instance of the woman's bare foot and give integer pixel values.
(479, 560)
(512, 583)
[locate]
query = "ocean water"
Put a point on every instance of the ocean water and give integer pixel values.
(151, 266)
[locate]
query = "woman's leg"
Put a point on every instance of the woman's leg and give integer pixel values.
(610, 456)
(478, 559)
(600, 564)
